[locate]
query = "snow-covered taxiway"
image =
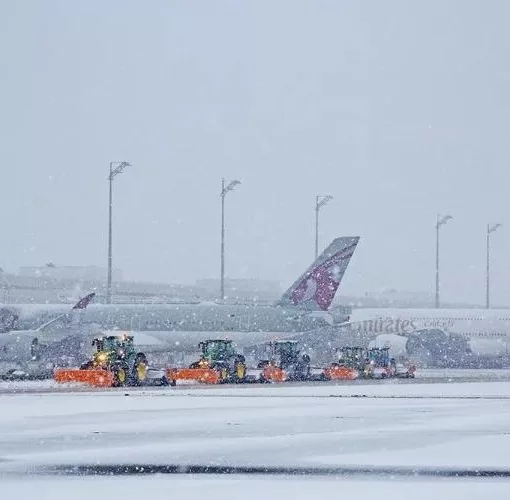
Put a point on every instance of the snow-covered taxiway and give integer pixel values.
(359, 441)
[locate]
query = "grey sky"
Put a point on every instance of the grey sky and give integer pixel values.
(399, 109)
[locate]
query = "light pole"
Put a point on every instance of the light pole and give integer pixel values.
(225, 188)
(320, 201)
(441, 221)
(7, 285)
(119, 168)
(490, 230)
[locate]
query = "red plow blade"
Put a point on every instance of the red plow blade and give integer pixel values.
(202, 375)
(96, 378)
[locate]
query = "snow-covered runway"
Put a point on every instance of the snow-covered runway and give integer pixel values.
(465, 426)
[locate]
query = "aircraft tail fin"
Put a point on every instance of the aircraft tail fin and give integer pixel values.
(84, 302)
(80, 305)
(316, 288)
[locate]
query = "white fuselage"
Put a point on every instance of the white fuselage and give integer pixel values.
(303, 307)
(487, 331)
(170, 327)
(179, 317)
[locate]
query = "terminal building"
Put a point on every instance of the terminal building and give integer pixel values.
(68, 273)
(51, 284)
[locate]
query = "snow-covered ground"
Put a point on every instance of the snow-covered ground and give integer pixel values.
(437, 425)
(236, 488)
(422, 376)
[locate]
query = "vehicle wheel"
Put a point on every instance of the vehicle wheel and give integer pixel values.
(223, 375)
(223, 372)
(140, 368)
(120, 374)
(239, 372)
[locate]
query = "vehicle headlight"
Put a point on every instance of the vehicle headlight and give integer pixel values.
(102, 357)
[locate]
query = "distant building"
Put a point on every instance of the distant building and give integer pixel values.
(242, 289)
(68, 273)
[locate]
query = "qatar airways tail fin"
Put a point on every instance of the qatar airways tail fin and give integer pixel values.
(316, 288)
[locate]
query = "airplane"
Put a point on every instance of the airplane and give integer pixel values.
(485, 331)
(303, 307)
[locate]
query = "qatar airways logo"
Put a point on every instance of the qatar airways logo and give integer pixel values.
(321, 284)
(310, 289)
(311, 282)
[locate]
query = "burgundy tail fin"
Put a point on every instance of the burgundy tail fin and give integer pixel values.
(83, 303)
(317, 287)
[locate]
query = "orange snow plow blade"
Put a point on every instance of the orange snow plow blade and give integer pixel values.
(202, 375)
(274, 374)
(340, 373)
(96, 378)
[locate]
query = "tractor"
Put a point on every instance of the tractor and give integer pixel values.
(284, 362)
(114, 363)
(118, 355)
(379, 364)
(219, 363)
(353, 357)
(350, 365)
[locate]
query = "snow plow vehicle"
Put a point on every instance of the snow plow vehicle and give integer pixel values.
(115, 363)
(284, 362)
(380, 365)
(375, 363)
(350, 365)
(219, 363)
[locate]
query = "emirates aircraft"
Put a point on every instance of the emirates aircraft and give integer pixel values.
(303, 307)
(486, 331)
